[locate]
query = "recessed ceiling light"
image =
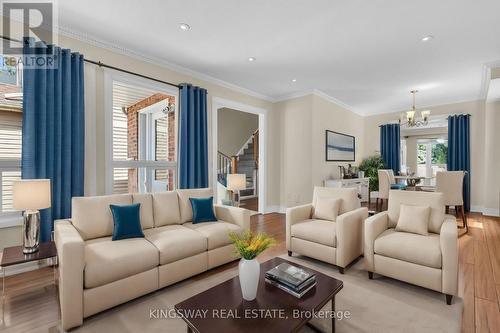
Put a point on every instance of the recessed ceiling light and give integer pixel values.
(427, 38)
(294, 80)
(252, 59)
(184, 26)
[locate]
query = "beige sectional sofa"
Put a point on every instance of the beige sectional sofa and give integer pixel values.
(96, 273)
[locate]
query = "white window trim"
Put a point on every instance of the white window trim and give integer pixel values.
(109, 77)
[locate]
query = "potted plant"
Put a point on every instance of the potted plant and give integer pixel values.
(249, 245)
(370, 166)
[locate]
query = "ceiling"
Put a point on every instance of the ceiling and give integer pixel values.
(366, 54)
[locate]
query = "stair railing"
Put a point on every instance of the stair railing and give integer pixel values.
(225, 165)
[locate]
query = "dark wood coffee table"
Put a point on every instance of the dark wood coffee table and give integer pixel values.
(272, 311)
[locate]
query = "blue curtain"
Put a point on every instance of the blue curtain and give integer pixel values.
(193, 140)
(459, 150)
(390, 146)
(53, 129)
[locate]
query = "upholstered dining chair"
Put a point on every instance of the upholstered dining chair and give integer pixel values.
(450, 183)
(386, 182)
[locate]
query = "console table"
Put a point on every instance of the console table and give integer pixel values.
(361, 184)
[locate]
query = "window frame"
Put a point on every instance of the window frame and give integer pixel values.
(11, 218)
(111, 76)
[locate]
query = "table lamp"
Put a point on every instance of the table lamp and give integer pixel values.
(235, 183)
(30, 195)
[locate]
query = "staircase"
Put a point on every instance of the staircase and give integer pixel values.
(248, 166)
(245, 162)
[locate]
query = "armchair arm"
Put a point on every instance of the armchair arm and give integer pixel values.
(234, 215)
(350, 235)
(71, 258)
(448, 238)
(294, 215)
(374, 226)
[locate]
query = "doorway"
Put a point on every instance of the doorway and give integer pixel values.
(239, 137)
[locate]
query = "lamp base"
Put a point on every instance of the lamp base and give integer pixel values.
(31, 231)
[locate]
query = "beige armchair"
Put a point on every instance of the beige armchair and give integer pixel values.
(450, 183)
(336, 242)
(428, 261)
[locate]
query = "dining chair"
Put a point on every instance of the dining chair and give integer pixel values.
(450, 183)
(386, 182)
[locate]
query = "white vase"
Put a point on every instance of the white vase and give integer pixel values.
(249, 278)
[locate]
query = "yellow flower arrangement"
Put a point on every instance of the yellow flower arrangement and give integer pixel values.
(250, 245)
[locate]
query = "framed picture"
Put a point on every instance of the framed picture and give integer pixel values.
(339, 147)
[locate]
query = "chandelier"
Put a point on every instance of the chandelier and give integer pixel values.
(408, 119)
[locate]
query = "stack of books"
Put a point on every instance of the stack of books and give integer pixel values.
(295, 281)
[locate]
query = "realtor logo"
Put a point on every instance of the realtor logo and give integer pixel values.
(32, 22)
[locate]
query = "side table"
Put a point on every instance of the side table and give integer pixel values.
(14, 255)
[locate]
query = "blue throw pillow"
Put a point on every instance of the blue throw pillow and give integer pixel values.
(203, 210)
(127, 221)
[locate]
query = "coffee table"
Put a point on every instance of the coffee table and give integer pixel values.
(224, 310)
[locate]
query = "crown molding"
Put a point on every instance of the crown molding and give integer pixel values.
(333, 100)
(319, 93)
(486, 78)
(114, 47)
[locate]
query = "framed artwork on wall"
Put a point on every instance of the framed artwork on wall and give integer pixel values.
(339, 147)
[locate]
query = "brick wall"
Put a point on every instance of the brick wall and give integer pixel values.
(133, 142)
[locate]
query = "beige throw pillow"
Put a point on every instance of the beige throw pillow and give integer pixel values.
(414, 219)
(326, 208)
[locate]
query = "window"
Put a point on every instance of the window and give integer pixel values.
(10, 130)
(143, 151)
(431, 157)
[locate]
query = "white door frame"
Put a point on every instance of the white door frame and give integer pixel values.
(219, 103)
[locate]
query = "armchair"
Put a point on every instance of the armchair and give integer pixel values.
(336, 242)
(428, 261)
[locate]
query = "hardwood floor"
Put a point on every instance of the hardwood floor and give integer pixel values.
(31, 303)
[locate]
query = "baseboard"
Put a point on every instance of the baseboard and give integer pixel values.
(275, 209)
(491, 212)
(485, 211)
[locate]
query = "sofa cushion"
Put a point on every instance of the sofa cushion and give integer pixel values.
(414, 219)
(349, 197)
(92, 217)
(146, 201)
(203, 209)
(185, 204)
(107, 261)
(127, 221)
(417, 249)
(433, 200)
(317, 231)
(326, 208)
(176, 242)
(215, 232)
(166, 208)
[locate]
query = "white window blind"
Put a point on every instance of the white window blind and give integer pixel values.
(10, 155)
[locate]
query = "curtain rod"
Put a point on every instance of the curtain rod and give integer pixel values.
(100, 64)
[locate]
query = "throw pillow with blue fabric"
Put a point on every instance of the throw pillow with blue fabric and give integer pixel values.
(203, 210)
(127, 221)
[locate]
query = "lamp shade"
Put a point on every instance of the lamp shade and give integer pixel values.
(31, 194)
(236, 181)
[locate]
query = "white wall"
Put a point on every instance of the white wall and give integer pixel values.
(234, 128)
(492, 163)
(302, 129)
